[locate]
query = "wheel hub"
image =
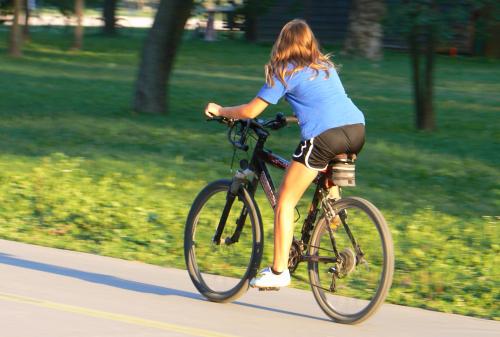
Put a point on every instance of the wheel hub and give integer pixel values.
(348, 262)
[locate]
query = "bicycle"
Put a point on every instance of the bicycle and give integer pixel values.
(350, 275)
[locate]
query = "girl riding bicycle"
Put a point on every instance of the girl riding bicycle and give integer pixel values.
(330, 124)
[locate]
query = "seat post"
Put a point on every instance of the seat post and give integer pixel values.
(344, 158)
(334, 193)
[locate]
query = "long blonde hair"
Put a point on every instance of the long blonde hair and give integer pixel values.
(295, 46)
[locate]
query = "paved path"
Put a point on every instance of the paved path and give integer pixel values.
(50, 292)
(56, 20)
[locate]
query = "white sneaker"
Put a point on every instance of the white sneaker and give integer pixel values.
(267, 279)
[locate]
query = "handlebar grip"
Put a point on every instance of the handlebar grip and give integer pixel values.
(292, 119)
(220, 119)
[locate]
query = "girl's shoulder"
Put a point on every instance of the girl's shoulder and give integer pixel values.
(312, 73)
(297, 75)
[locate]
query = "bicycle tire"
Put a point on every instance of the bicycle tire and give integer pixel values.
(201, 277)
(331, 307)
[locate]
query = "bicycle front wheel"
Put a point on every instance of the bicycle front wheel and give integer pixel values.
(221, 270)
(351, 261)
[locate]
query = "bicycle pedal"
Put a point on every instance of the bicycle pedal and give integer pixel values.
(269, 289)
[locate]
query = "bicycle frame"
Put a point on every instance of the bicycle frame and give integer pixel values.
(260, 175)
(260, 158)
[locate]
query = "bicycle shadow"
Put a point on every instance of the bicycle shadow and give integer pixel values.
(104, 279)
(125, 284)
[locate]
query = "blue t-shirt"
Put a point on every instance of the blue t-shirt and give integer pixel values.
(320, 103)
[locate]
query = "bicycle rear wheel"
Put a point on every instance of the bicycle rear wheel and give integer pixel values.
(352, 261)
(221, 272)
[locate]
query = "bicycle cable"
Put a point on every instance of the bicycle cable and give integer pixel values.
(298, 214)
(232, 160)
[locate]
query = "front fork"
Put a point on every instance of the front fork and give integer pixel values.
(240, 179)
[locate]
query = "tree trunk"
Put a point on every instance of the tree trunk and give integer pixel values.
(251, 10)
(109, 16)
(250, 29)
(158, 56)
(415, 66)
(426, 118)
(422, 60)
(26, 27)
(15, 39)
(365, 33)
(79, 7)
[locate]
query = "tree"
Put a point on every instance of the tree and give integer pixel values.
(78, 41)
(251, 11)
(158, 56)
(15, 37)
(66, 7)
(422, 44)
(109, 16)
(486, 28)
(364, 34)
(426, 23)
(28, 5)
(69, 8)
(8, 6)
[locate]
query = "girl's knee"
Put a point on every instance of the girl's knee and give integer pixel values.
(284, 206)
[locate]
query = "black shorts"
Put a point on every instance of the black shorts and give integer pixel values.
(317, 152)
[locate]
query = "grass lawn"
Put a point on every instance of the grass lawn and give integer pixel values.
(79, 170)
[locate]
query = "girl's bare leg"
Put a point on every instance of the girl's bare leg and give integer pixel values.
(296, 181)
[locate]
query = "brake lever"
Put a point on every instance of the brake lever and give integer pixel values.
(220, 119)
(279, 122)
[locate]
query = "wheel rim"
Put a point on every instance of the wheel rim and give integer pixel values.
(361, 290)
(221, 269)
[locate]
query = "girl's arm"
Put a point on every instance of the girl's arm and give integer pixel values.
(248, 110)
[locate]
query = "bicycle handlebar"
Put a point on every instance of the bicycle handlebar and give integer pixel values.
(257, 125)
(277, 123)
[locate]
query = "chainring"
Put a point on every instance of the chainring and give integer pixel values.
(295, 255)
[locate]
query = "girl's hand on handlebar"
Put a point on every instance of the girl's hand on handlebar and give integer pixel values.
(212, 110)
